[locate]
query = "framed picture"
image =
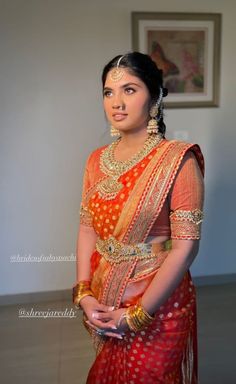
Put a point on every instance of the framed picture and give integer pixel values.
(186, 46)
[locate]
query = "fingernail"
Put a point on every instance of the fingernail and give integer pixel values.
(113, 327)
(111, 308)
(95, 315)
(119, 337)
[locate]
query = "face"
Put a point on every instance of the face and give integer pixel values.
(126, 102)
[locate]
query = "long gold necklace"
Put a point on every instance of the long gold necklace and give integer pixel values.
(109, 187)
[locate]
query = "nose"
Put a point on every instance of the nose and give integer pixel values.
(118, 103)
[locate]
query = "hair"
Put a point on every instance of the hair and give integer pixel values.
(142, 66)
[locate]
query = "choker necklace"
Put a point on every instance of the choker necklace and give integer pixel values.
(109, 187)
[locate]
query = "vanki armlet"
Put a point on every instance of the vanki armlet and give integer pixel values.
(186, 224)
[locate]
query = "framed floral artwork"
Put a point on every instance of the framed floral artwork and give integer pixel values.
(186, 46)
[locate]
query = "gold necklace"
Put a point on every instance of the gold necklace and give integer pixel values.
(109, 187)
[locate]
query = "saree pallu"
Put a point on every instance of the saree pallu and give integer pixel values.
(166, 350)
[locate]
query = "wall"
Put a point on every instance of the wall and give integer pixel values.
(52, 54)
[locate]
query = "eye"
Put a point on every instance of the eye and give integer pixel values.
(129, 90)
(107, 93)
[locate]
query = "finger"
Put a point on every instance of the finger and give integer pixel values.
(115, 335)
(102, 316)
(101, 324)
(105, 308)
(106, 325)
(110, 334)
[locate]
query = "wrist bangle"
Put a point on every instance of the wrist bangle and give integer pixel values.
(137, 317)
(79, 298)
(81, 290)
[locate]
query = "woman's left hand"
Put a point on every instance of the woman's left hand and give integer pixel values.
(115, 320)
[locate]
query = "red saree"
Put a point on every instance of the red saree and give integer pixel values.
(166, 350)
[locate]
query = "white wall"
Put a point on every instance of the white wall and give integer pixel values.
(52, 55)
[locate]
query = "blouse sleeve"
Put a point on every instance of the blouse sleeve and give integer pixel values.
(186, 200)
(85, 215)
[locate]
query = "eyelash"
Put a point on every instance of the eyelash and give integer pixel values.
(127, 91)
(130, 89)
(107, 93)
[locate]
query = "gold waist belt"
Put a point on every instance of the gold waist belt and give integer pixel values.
(114, 251)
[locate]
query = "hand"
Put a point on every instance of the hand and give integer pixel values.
(103, 318)
(114, 319)
(91, 308)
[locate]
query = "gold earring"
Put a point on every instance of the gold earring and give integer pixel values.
(114, 131)
(152, 127)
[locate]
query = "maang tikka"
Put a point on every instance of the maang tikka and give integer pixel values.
(115, 75)
(152, 127)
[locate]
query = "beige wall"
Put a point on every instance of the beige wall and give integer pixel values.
(52, 54)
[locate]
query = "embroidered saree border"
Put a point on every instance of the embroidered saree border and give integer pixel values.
(154, 188)
(114, 288)
(116, 283)
(156, 191)
(129, 209)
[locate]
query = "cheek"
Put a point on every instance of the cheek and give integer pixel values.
(106, 106)
(143, 108)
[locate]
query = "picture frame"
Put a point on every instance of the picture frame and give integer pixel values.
(186, 46)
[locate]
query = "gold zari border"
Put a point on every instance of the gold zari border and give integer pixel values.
(185, 230)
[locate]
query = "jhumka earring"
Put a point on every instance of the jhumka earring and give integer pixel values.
(152, 127)
(114, 131)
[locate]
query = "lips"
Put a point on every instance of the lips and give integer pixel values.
(119, 116)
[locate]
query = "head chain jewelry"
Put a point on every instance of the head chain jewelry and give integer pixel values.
(117, 73)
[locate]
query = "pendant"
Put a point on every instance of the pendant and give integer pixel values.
(109, 188)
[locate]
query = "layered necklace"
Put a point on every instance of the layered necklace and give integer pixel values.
(109, 187)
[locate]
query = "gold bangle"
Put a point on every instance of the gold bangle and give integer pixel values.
(78, 298)
(137, 317)
(81, 290)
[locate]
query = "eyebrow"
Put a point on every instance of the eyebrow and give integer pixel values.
(124, 86)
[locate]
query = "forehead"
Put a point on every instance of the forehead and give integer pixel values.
(127, 77)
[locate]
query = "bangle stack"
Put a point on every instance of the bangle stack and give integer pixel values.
(81, 290)
(137, 318)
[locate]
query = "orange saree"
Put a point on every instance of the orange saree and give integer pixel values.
(162, 194)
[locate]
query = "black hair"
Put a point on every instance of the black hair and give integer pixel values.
(142, 66)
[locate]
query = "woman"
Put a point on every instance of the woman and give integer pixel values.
(139, 233)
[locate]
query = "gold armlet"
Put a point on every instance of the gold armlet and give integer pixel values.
(195, 216)
(137, 318)
(81, 290)
(186, 224)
